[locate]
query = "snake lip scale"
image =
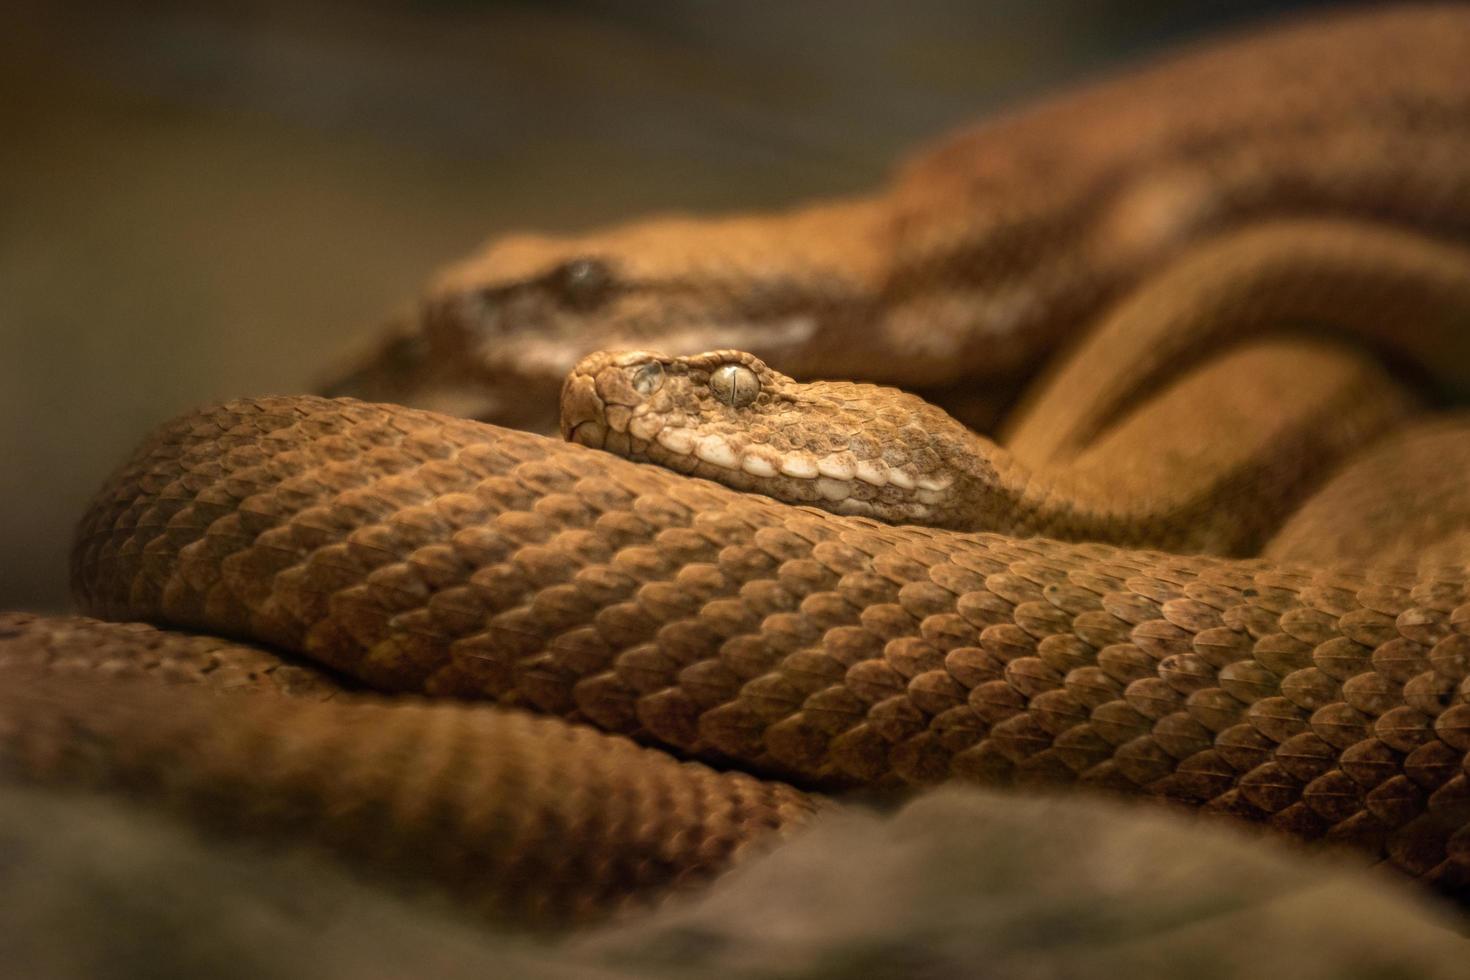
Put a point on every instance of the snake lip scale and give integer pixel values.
(727, 415)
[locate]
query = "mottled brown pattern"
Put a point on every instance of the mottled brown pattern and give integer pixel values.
(1211, 464)
(1403, 500)
(519, 818)
(79, 645)
(421, 553)
(1399, 294)
(987, 251)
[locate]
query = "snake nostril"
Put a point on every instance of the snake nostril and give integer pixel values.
(648, 378)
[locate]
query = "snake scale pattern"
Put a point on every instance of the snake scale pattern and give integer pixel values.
(305, 598)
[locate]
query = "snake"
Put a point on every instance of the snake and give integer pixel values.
(962, 275)
(560, 684)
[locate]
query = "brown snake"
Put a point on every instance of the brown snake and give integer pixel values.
(963, 273)
(877, 452)
(1269, 183)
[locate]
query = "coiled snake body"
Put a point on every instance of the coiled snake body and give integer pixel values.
(793, 650)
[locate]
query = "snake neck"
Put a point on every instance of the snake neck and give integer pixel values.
(881, 453)
(986, 488)
(852, 449)
(1158, 502)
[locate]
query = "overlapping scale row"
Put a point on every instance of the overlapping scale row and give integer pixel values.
(77, 645)
(513, 815)
(418, 552)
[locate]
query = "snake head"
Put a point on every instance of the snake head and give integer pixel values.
(627, 401)
(497, 332)
(728, 417)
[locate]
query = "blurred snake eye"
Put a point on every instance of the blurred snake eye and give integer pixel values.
(648, 378)
(735, 384)
(581, 283)
(406, 352)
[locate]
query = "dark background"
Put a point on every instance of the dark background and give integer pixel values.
(199, 201)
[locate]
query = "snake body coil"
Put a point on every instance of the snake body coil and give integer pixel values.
(427, 554)
(1288, 182)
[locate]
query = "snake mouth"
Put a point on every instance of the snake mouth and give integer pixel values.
(589, 433)
(582, 409)
(620, 402)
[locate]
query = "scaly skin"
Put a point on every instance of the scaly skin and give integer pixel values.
(986, 251)
(417, 553)
(78, 645)
(1265, 423)
(518, 818)
(422, 553)
(1402, 295)
(1360, 515)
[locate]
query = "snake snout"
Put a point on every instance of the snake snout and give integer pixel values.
(583, 414)
(604, 392)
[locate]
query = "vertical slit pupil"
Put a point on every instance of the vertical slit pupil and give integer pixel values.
(735, 385)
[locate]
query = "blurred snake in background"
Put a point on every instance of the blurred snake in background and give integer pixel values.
(1213, 314)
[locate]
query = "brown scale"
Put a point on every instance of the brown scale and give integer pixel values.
(991, 249)
(1421, 462)
(412, 552)
(517, 818)
(1328, 703)
(76, 644)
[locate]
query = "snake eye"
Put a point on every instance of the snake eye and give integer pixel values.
(406, 353)
(648, 378)
(581, 283)
(735, 384)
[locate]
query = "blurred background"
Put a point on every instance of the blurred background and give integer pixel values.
(200, 201)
